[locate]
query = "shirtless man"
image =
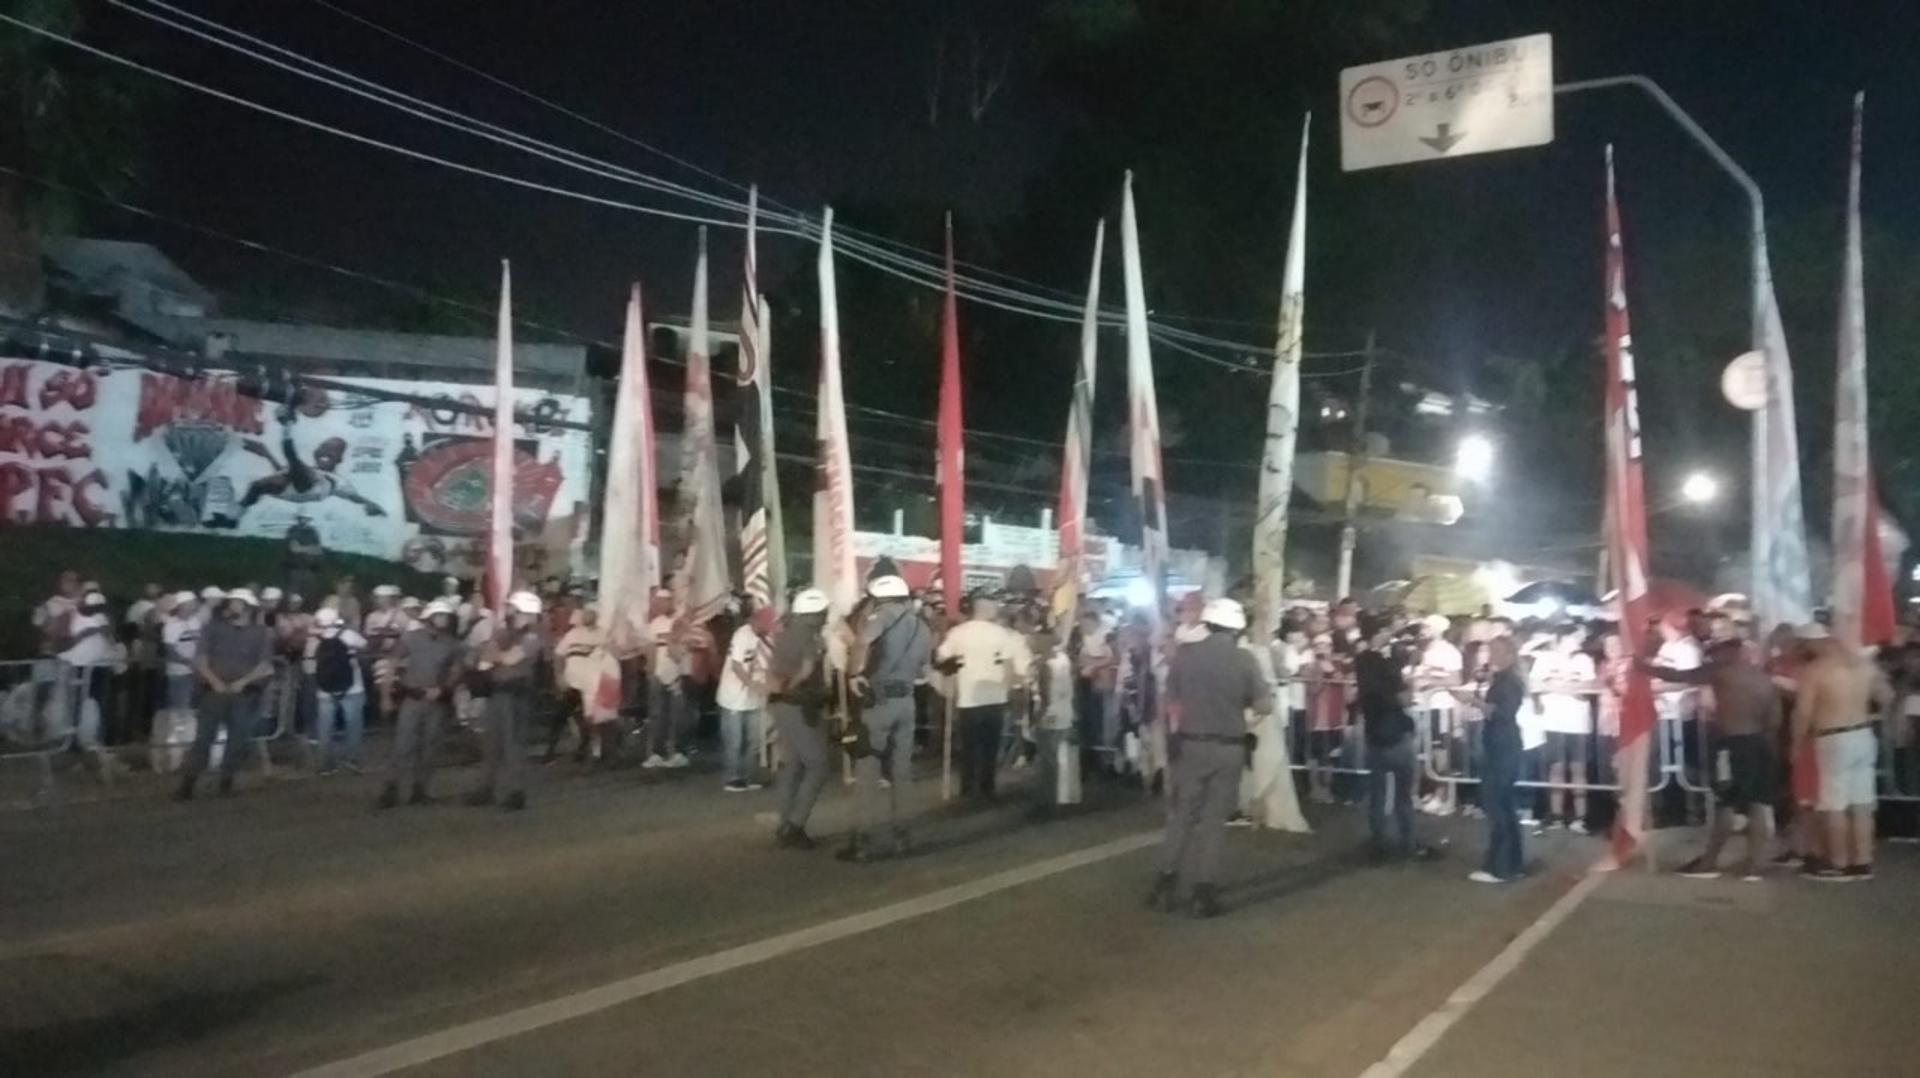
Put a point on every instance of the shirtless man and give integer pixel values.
(1837, 691)
(1746, 727)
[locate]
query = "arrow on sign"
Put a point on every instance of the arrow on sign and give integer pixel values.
(1443, 138)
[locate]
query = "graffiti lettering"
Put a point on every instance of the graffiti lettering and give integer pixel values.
(27, 437)
(13, 385)
(77, 388)
(49, 494)
(165, 401)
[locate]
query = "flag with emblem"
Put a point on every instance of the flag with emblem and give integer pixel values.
(1143, 413)
(755, 483)
(701, 584)
(834, 569)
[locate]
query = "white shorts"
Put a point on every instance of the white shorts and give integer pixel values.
(1847, 763)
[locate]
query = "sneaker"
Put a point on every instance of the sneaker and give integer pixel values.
(1827, 874)
(793, 838)
(1750, 874)
(1789, 859)
(678, 759)
(751, 785)
(1239, 820)
(1483, 876)
(1859, 872)
(656, 760)
(736, 787)
(1578, 827)
(1697, 869)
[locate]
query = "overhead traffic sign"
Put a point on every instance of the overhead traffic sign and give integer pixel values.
(1496, 96)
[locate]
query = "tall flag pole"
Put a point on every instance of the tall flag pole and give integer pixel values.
(1782, 584)
(952, 470)
(1626, 541)
(1283, 417)
(754, 479)
(770, 466)
(500, 533)
(1143, 414)
(701, 584)
(834, 569)
(1078, 454)
(630, 524)
(1862, 594)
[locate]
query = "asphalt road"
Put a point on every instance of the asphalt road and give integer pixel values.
(641, 923)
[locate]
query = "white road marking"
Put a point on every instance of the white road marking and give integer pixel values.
(432, 1046)
(1427, 1033)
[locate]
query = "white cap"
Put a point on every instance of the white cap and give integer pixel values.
(410, 602)
(326, 618)
(810, 601)
(93, 598)
(211, 593)
(887, 587)
(245, 596)
(183, 597)
(1224, 613)
(386, 591)
(524, 602)
(1437, 623)
(269, 594)
(440, 606)
(1812, 630)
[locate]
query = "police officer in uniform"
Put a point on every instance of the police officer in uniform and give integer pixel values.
(895, 644)
(508, 659)
(798, 698)
(1212, 684)
(427, 667)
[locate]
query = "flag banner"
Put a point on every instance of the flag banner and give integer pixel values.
(1782, 584)
(1626, 540)
(951, 469)
(701, 585)
(1862, 594)
(630, 523)
(770, 466)
(834, 570)
(1069, 579)
(1283, 419)
(1143, 413)
(500, 531)
(754, 476)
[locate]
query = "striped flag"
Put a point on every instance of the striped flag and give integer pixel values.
(755, 483)
(500, 532)
(701, 585)
(951, 469)
(1283, 419)
(1626, 541)
(834, 569)
(1143, 414)
(1078, 454)
(630, 522)
(1862, 593)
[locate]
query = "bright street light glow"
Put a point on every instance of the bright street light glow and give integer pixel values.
(1473, 460)
(1700, 488)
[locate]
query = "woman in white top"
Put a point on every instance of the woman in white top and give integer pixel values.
(1565, 682)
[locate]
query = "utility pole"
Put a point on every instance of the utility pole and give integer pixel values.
(1356, 460)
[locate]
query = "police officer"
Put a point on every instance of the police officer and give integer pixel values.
(508, 659)
(798, 697)
(426, 671)
(895, 644)
(1212, 683)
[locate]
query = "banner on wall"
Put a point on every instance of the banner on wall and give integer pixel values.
(129, 448)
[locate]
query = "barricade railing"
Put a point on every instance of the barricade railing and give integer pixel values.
(40, 714)
(1899, 767)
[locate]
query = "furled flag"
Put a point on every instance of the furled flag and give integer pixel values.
(500, 533)
(755, 483)
(1862, 594)
(701, 584)
(1283, 418)
(834, 569)
(1626, 541)
(951, 470)
(1078, 454)
(1782, 584)
(1143, 413)
(630, 522)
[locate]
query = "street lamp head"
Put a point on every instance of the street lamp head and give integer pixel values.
(1699, 488)
(1473, 459)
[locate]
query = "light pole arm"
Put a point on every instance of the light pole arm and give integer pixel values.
(1672, 108)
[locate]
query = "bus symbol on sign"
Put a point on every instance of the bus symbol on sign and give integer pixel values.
(1373, 101)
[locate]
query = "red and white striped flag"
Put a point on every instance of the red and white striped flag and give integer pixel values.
(756, 481)
(1078, 455)
(834, 568)
(500, 531)
(630, 523)
(951, 469)
(1143, 414)
(1626, 541)
(1862, 594)
(701, 585)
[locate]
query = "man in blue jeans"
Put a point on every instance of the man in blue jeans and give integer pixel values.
(1389, 731)
(1505, 692)
(894, 647)
(742, 698)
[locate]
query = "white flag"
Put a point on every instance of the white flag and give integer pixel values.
(1283, 419)
(500, 531)
(630, 522)
(834, 569)
(1143, 413)
(702, 585)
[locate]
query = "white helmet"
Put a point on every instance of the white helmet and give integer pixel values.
(271, 594)
(243, 595)
(184, 597)
(326, 618)
(93, 598)
(387, 591)
(810, 601)
(887, 587)
(440, 606)
(1224, 614)
(212, 594)
(410, 603)
(524, 602)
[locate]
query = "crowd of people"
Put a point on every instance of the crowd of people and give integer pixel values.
(1379, 706)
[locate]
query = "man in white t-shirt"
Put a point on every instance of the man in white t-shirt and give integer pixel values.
(742, 698)
(987, 661)
(666, 693)
(1437, 673)
(179, 646)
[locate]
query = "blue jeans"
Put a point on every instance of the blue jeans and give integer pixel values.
(180, 691)
(1499, 798)
(739, 744)
(666, 714)
(351, 710)
(1392, 763)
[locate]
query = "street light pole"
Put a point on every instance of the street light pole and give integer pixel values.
(1760, 534)
(1356, 460)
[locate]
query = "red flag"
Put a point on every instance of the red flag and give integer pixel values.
(1626, 541)
(951, 469)
(500, 534)
(630, 519)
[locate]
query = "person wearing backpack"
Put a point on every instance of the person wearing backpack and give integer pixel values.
(332, 663)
